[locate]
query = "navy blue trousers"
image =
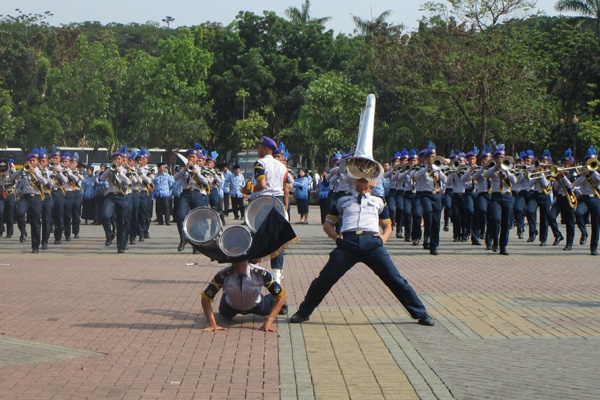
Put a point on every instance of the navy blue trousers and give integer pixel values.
(369, 250)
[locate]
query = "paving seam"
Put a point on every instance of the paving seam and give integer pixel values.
(424, 380)
(294, 373)
(454, 325)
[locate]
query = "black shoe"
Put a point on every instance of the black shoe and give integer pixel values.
(132, 241)
(146, 236)
(464, 239)
(297, 319)
(494, 249)
(121, 251)
(504, 252)
(520, 235)
(532, 237)
(68, 239)
(583, 239)
(195, 251)
(416, 242)
(594, 252)
(481, 236)
(168, 224)
(284, 309)
(36, 250)
(399, 235)
(487, 247)
(567, 247)
(44, 246)
(456, 240)
(475, 242)
(77, 236)
(558, 240)
(181, 246)
(446, 229)
(108, 241)
(433, 252)
(8, 236)
(426, 320)
(141, 239)
(57, 242)
(161, 223)
(426, 245)
(22, 239)
(542, 244)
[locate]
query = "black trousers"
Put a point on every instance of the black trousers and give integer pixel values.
(30, 207)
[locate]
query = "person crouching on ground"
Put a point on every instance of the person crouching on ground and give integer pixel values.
(242, 284)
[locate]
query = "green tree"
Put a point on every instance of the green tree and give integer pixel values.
(589, 9)
(302, 16)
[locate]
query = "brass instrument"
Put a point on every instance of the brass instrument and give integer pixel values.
(456, 165)
(113, 167)
(362, 165)
(438, 163)
(507, 163)
(489, 164)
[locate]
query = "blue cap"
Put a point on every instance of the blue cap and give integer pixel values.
(499, 150)
(485, 153)
(529, 154)
(412, 155)
(65, 157)
(568, 156)
(545, 157)
(35, 153)
(267, 142)
(54, 152)
(591, 153)
(429, 150)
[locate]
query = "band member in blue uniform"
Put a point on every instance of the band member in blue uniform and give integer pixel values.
(589, 199)
(501, 205)
(361, 215)
(565, 202)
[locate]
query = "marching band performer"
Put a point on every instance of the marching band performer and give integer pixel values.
(48, 201)
(7, 197)
(483, 198)
(116, 201)
(65, 161)
(391, 195)
(146, 195)
(131, 171)
(77, 195)
(30, 204)
(57, 182)
(194, 193)
(501, 205)
(566, 201)
(541, 194)
(430, 180)
(589, 199)
(412, 211)
(469, 183)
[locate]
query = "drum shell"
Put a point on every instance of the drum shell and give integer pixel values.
(202, 225)
(259, 208)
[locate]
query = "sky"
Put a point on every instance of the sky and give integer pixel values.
(189, 12)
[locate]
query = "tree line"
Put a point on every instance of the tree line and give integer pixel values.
(474, 73)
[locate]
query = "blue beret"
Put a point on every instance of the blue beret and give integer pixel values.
(267, 142)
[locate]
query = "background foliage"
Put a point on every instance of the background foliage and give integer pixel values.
(475, 72)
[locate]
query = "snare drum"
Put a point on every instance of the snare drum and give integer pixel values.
(259, 208)
(202, 225)
(235, 241)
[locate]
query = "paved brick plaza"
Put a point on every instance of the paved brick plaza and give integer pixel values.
(81, 321)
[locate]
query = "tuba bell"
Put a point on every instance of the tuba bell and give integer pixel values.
(362, 165)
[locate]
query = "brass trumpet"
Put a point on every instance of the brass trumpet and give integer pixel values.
(438, 163)
(113, 167)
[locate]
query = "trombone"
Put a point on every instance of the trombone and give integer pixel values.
(438, 163)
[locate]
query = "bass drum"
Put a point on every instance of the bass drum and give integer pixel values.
(201, 225)
(235, 241)
(259, 208)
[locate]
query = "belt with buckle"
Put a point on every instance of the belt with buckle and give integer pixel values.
(360, 232)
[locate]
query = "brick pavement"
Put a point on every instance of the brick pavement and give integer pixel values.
(81, 321)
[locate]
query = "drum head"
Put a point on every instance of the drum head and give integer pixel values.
(259, 208)
(235, 241)
(201, 225)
